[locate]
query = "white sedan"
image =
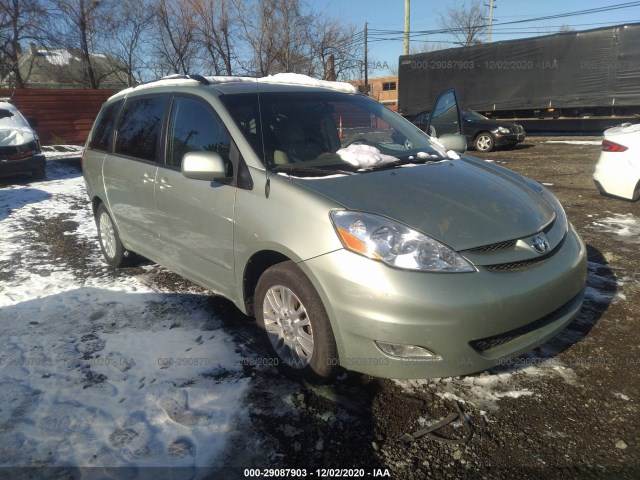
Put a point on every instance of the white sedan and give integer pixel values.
(618, 169)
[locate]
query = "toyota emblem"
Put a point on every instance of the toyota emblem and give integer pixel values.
(540, 243)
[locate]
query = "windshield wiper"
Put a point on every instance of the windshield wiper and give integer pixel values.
(408, 160)
(309, 171)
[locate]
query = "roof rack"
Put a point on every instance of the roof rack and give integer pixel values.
(198, 78)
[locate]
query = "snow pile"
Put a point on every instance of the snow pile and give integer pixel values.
(101, 369)
(364, 156)
(626, 226)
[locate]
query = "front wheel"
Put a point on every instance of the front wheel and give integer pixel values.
(484, 142)
(295, 323)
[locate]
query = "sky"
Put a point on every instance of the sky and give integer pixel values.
(425, 14)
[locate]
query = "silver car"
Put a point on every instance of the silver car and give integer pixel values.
(354, 239)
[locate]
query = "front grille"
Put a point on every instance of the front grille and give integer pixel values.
(14, 151)
(495, 246)
(495, 341)
(501, 267)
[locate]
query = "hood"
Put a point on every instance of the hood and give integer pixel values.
(15, 136)
(462, 203)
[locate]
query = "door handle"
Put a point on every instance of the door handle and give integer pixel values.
(146, 178)
(164, 183)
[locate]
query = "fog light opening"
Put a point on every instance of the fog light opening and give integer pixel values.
(400, 350)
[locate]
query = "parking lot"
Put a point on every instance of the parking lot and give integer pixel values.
(569, 409)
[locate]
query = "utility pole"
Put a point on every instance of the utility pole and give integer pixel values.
(407, 25)
(490, 20)
(366, 64)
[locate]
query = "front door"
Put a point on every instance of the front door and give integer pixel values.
(195, 217)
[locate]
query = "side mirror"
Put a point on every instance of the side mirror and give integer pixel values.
(454, 141)
(203, 166)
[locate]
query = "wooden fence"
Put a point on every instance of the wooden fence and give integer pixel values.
(61, 116)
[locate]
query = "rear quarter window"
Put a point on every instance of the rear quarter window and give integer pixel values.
(103, 131)
(140, 127)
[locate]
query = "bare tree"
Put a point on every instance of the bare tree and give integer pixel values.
(80, 31)
(130, 27)
(177, 49)
(336, 48)
(216, 33)
(20, 21)
(465, 22)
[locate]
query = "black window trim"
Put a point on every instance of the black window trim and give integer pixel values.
(241, 177)
(159, 147)
(111, 141)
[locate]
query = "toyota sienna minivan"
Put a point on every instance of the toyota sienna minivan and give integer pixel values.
(354, 238)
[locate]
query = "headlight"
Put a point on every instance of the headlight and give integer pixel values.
(502, 130)
(395, 244)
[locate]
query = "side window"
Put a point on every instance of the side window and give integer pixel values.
(195, 127)
(103, 132)
(140, 127)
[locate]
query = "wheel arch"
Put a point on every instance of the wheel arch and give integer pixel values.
(257, 264)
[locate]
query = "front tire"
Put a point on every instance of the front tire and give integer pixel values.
(295, 324)
(112, 249)
(484, 142)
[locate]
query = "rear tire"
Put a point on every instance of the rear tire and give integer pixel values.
(112, 249)
(295, 324)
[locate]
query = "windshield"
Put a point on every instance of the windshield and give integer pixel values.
(327, 131)
(471, 115)
(12, 119)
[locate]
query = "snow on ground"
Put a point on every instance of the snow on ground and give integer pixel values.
(576, 142)
(625, 226)
(104, 370)
(61, 152)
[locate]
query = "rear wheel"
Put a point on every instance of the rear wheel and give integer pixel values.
(112, 249)
(484, 142)
(295, 323)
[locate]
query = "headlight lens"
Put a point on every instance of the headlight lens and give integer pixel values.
(503, 130)
(395, 244)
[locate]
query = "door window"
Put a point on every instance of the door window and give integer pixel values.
(195, 127)
(140, 127)
(103, 132)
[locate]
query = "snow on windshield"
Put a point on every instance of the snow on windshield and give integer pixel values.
(14, 130)
(364, 156)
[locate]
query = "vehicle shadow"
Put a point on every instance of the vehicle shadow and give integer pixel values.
(15, 198)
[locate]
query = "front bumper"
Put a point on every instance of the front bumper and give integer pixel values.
(470, 321)
(509, 139)
(23, 165)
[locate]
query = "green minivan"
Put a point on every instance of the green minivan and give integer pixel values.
(355, 239)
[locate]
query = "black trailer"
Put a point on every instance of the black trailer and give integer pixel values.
(566, 82)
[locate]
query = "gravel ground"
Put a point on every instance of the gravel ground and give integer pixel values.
(567, 410)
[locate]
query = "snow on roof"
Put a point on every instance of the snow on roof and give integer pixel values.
(58, 57)
(277, 79)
